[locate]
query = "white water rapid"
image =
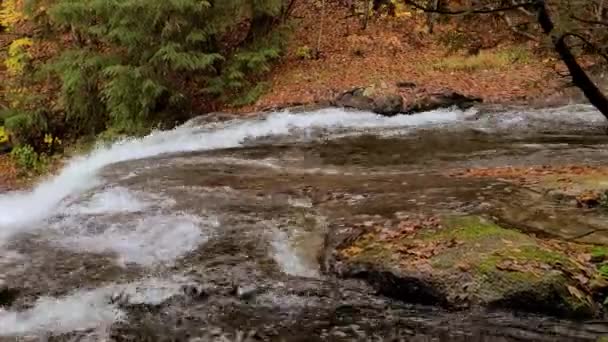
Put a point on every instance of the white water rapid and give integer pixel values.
(79, 239)
(19, 212)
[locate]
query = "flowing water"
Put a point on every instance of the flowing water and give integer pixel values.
(215, 231)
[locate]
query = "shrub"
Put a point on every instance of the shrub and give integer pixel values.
(28, 160)
(27, 129)
(18, 56)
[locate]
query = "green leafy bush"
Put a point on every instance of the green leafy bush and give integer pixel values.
(603, 270)
(27, 128)
(28, 160)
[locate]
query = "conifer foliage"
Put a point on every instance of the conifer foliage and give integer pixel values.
(134, 62)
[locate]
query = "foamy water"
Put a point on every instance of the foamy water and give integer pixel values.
(150, 240)
(84, 214)
(288, 258)
(83, 310)
(114, 200)
(18, 211)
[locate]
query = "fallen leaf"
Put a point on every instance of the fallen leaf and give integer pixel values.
(582, 279)
(575, 292)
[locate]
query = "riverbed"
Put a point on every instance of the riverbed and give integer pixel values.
(219, 230)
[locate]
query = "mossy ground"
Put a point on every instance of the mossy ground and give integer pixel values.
(475, 259)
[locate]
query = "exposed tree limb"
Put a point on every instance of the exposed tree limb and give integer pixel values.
(288, 10)
(431, 16)
(587, 21)
(560, 44)
(587, 43)
(481, 10)
(368, 8)
(579, 76)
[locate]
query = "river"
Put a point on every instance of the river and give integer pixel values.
(214, 231)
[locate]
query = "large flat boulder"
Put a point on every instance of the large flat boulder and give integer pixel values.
(464, 261)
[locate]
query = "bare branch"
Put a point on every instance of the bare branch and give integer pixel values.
(481, 10)
(587, 21)
(528, 35)
(288, 10)
(587, 43)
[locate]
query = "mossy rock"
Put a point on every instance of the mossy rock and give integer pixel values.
(469, 261)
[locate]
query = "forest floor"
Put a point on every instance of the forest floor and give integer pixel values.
(394, 50)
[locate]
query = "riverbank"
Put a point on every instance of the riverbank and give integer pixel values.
(397, 55)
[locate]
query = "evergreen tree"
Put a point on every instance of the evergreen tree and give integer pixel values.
(134, 60)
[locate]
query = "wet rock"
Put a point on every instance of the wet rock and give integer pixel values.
(405, 84)
(381, 102)
(194, 292)
(356, 98)
(8, 296)
(467, 261)
(214, 117)
(388, 105)
(588, 200)
(443, 99)
(299, 107)
(246, 292)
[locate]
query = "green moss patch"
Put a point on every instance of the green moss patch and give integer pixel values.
(473, 258)
(471, 229)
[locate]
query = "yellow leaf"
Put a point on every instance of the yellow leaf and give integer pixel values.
(352, 251)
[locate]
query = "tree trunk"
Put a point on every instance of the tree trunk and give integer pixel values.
(430, 17)
(578, 74)
(287, 10)
(260, 26)
(367, 13)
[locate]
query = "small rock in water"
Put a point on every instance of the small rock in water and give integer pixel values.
(246, 292)
(8, 296)
(119, 298)
(194, 292)
(339, 334)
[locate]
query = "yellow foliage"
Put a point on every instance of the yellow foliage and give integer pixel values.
(16, 96)
(3, 135)
(50, 140)
(18, 55)
(11, 12)
(401, 9)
